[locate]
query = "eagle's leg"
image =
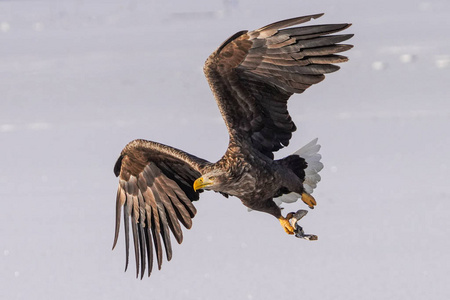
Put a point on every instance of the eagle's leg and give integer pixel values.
(291, 226)
(268, 206)
(308, 199)
(289, 223)
(286, 224)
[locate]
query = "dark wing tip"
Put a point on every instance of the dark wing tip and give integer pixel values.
(116, 237)
(120, 200)
(230, 39)
(289, 22)
(118, 166)
(349, 35)
(345, 26)
(116, 233)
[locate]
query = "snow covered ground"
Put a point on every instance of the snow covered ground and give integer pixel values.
(79, 79)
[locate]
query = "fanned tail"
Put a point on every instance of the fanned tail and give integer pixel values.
(310, 152)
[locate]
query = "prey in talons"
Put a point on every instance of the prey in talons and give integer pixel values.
(298, 230)
(290, 225)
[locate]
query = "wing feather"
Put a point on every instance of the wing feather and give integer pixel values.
(272, 29)
(156, 232)
(155, 189)
(169, 212)
(309, 32)
(148, 240)
(163, 227)
(126, 216)
(134, 221)
(254, 72)
(120, 201)
(143, 249)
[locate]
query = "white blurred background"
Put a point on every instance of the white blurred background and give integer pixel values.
(79, 79)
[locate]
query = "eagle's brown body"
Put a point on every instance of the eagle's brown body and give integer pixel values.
(252, 75)
(244, 166)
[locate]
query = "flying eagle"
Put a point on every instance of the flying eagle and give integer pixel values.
(252, 75)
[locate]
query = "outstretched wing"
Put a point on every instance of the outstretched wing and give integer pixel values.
(155, 189)
(253, 74)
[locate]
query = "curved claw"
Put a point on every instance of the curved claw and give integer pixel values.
(309, 200)
(286, 225)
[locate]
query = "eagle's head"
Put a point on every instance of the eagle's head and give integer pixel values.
(213, 180)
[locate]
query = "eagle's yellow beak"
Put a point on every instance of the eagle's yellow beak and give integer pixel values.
(201, 183)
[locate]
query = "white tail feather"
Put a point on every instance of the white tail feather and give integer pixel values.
(310, 152)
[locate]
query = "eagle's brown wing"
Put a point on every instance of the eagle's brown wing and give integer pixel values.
(155, 188)
(253, 74)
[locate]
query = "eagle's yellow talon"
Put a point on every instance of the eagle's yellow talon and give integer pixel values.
(309, 200)
(286, 225)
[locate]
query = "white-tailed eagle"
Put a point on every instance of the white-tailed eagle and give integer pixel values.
(252, 75)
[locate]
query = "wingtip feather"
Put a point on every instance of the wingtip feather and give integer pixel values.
(272, 28)
(120, 200)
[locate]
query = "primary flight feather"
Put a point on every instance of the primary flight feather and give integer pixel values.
(252, 75)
